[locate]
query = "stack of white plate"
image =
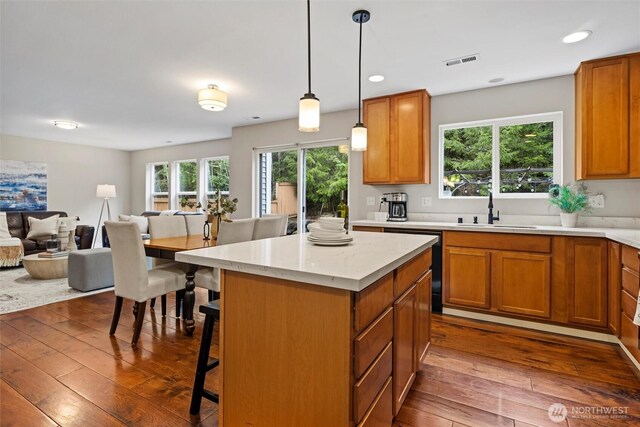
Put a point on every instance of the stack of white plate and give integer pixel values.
(328, 232)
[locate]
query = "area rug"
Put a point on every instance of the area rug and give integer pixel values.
(18, 291)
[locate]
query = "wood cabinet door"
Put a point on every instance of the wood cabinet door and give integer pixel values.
(376, 160)
(424, 316)
(587, 281)
(522, 283)
(614, 286)
(409, 134)
(634, 116)
(605, 118)
(467, 277)
(404, 351)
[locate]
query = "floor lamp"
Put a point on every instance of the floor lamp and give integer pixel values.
(105, 192)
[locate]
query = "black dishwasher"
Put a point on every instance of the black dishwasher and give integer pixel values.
(436, 267)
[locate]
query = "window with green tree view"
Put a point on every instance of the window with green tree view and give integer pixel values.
(511, 157)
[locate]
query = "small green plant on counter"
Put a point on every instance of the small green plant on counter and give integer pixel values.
(570, 198)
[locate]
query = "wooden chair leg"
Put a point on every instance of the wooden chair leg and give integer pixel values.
(163, 300)
(153, 302)
(179, 297)
(135, 309)
(138, 325)
(116, 315)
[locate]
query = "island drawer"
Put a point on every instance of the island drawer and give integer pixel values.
(630, 258)
(380, 413)
(629, 336)
(629, 304)
(368, 387)
(371, 342)
(411, 271)
(372, 301)
(499, 241)
(630, 282)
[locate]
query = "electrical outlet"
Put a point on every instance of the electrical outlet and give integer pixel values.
(371, 201)
(381, 201)
(597, 201)
(426, 202)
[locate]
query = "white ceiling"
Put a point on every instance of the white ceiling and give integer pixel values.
(128, 71)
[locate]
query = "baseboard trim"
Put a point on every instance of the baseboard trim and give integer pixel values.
(544, 327)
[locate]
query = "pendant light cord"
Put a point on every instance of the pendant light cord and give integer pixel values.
(309, 41)
(360, 74)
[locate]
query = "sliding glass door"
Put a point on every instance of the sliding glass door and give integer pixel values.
(304, 182)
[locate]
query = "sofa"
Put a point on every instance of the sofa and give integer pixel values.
(105, 237)
(19, 227)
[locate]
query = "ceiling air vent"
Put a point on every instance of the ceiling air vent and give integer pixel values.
(462, 60)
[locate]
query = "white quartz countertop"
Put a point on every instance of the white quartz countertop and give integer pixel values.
(352, 267)
(629, 237)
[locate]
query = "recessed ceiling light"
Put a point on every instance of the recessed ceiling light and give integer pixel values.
(168, 142)
(496, 80)
(376, 78)
(577, 36)
(65, 125)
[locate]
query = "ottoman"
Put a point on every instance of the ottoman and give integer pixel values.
(90, 269)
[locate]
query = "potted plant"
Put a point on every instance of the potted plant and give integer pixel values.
(222, 207)
(571, 200)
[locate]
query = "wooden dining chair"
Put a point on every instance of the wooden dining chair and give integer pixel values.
(240, 230)
(132, 280)
(267, 227)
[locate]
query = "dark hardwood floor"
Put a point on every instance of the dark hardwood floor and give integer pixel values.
(58, 365)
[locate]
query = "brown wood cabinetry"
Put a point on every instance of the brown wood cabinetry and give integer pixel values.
(423, 291)
(608, 118)
(630, 286)
(467, 277)
(404, 346)
(586, 280)
(398, 146)
(614, 287)
(522, 283)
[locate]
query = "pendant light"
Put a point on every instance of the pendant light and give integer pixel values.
(359, 131)
(309, 112)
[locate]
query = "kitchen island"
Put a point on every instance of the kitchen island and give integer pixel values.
(320, 336)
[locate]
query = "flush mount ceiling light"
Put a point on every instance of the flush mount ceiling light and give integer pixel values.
(376, 78)
(359, 131)
(577, 36)
(212, 98)
(65, 125)
(309, 110)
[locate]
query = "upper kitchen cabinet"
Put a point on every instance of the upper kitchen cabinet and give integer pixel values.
(608, 118)
(398, 146)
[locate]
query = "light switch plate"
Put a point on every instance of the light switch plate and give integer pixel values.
(426, 202)
(371, 201)
(596, 201)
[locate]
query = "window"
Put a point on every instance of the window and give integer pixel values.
(158, 198)
(186, 173)
(512, 157)
(216, 177)
(304, 181)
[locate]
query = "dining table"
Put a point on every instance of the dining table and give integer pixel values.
(166, 248)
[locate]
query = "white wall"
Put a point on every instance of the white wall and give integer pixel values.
(73, 172)
(140, 159)
(539, 96)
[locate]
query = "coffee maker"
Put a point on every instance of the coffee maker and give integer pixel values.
(397, 206)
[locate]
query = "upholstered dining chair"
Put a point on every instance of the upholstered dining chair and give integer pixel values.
(267, 227)
(195, 224)
(240, 230)
(132, 280)
(161, 227)
(284, 218)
